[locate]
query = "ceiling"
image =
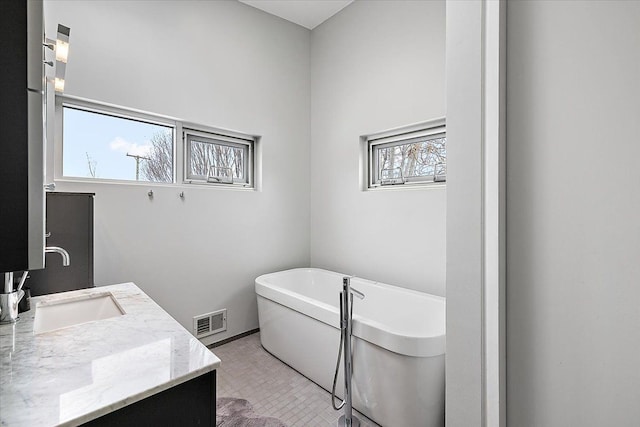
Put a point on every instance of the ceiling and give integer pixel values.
(308, 13)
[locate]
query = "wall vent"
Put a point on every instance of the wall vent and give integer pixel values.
(210, 323)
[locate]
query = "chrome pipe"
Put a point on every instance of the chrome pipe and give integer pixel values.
(8, 282)
(58, 250)
(347, 420)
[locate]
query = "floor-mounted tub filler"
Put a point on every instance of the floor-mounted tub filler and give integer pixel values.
(345, 353)
(398, 341)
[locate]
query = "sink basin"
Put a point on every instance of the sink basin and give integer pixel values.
(62, 313)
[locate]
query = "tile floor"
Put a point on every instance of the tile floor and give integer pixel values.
(274, 389)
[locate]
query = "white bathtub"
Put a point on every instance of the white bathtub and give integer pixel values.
(398, 344)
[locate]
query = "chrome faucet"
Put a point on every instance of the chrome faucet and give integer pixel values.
(346, 331)
(66, 260)
(10, 299)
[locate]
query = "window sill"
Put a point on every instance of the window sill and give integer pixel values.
(122, 183)
(408, 186)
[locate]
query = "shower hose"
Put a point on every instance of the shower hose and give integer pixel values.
(335, 376)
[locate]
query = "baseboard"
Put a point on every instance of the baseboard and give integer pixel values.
(233, 338)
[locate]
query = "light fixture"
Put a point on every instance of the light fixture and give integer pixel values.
(62, 51)
(62, 54)
(58, 84)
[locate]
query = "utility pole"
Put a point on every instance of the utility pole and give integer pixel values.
(138, 158)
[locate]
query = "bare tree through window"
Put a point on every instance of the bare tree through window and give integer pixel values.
(205, 159)
(158, 166)
(418, 159)
(92, 165)
(216, 159)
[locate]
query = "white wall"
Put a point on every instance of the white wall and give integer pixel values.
(376, 65)
(465, 111)
(573, 230)
(221, 64)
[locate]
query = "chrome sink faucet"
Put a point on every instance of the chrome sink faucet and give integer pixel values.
(66, 259)
(9, 299)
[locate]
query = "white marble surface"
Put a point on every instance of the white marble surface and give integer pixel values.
(70, 376)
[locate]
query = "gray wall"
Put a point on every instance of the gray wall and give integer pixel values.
(573, 227)
(222, 64)
(465, 227)
(376, 65)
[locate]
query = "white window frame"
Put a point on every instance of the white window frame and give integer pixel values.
(433, 129)
(180, 151)
(246, 143)
(108, 110)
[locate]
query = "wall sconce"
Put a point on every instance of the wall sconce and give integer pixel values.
(62, 53)
(61, 47)
(62, 44)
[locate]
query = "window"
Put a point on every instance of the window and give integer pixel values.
(416, 155)
(104, 142)
(218, 159)
(106, 146)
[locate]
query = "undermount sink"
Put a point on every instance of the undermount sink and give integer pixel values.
(62, 313)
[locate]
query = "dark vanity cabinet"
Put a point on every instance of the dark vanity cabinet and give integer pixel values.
(190, 404)
(69, 225)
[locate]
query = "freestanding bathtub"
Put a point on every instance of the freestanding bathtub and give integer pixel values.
(398, 342)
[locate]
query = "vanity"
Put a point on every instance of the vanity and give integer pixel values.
(103, 356)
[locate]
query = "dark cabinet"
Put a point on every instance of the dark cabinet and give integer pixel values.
(192, 403)
(69, 224)
(21, 136)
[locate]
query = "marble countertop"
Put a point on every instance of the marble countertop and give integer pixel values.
(73, 375)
